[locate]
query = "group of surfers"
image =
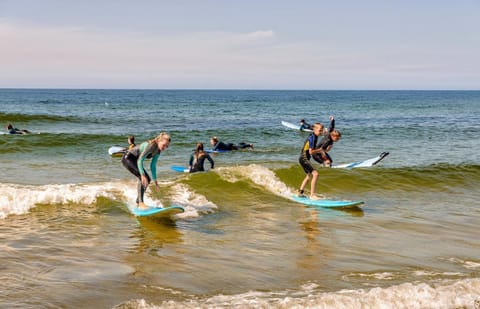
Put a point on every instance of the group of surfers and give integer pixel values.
(316, 146)
(135, 155)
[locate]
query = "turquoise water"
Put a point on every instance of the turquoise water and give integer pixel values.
(68, 239)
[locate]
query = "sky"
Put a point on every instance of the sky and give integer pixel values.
(245, 44)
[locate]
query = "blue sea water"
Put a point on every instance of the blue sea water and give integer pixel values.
(241, 242)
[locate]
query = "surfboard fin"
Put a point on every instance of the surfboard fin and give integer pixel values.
(381, 156)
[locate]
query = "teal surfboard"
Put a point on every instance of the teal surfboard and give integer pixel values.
(180, 169)
(157, 211)
(216, 151)
(326, 202)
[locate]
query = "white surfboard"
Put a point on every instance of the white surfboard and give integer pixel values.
(365, 163)
(294, 126)
(116, 151)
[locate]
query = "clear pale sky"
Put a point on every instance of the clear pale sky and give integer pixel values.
(245, 44)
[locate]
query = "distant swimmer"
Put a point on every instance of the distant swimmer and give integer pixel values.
(12, 130)
(305, 125)
(131, 142)
(218, 145)
(197, 159)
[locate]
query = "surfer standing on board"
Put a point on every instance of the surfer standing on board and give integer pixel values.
(133, 162)
(308, 150)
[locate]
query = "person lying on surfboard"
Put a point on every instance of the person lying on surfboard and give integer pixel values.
(133, 161)
(326, 144)
(305, 125)
(197, 159)
(217, 145)
(12, 130)
(306, 153)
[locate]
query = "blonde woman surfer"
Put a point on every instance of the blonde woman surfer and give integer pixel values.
(133, 162)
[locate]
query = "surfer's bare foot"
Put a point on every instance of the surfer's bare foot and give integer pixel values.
(314, 197)
(142, 206)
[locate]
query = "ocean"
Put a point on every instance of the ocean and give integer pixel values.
(68, 240)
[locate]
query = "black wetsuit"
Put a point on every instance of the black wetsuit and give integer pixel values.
(17, 131)
(197, 161)
(305, 156)
(223, 146)
(305, 126)
(230, 146)
(325, 144)
(133, 161)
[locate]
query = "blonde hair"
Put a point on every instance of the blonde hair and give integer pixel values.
(161, 136)
(318, 124)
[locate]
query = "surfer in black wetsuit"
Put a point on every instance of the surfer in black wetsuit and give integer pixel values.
(217, 145)
(306, 153)
(13, 130)
(304, 125)
(197, 159)
(324, 146)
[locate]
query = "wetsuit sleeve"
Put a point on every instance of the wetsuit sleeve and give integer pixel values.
(153, 166)
(215, 147)
(210, 159)
(190, 162)
(311, 142)
(147, 149)
(332, 125)
(141, 158)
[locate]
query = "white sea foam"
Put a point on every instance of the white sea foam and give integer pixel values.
(378, 276)
(193, 203)
(459, 294)
(466, 264)
(259, 175)
(19, 199)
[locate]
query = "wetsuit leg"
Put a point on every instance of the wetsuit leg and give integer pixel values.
(130, 163)
(317, 157)
(244, 145)
(231, 146)
(305, 163)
